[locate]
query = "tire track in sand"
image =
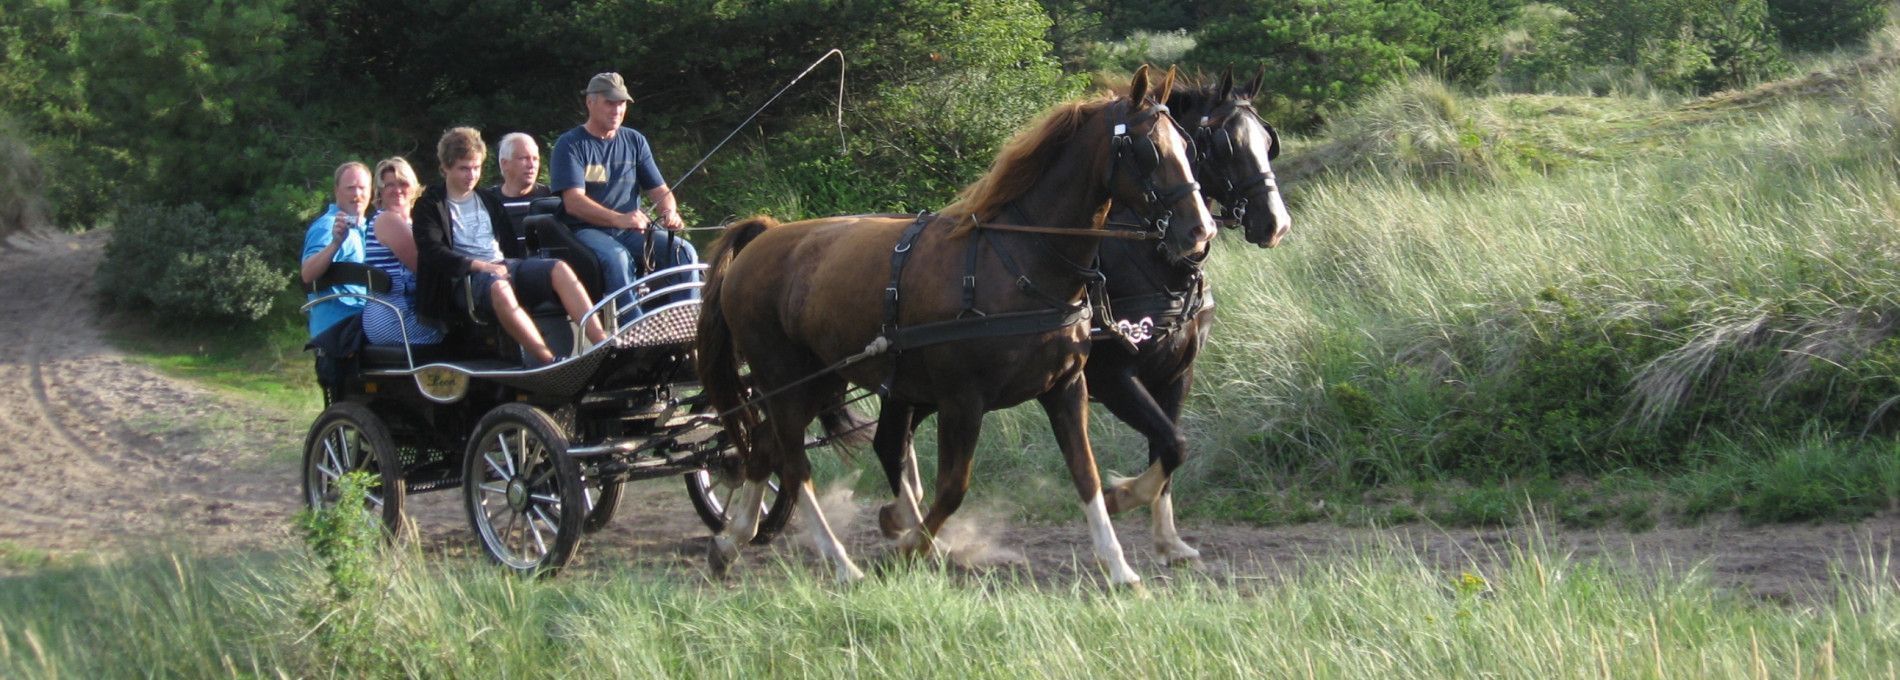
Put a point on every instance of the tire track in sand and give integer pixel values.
(97, 452)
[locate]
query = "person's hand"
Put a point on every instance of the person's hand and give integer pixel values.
(671, 220)
(340, 227)
(638, 220)
(496, 269)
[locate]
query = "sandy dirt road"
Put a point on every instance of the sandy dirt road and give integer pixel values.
(100, 453)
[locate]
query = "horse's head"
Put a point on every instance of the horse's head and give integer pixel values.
(1151, 168)
(1234, 154)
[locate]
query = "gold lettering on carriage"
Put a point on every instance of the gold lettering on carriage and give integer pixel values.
(442, 384)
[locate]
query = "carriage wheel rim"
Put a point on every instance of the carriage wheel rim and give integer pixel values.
(344, 451)
(722, 489)
(519, 506)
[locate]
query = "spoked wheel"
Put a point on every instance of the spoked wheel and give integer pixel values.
(346, 438)
(603, 498)
(712, 491)
(524, 494)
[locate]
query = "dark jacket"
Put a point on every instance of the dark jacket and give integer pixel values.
(437, 264)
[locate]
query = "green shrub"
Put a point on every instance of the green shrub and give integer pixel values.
(22, 205)
(1538, 49)
(1418, 128)
(1320, 55)
(184, 263)
(1825, 24)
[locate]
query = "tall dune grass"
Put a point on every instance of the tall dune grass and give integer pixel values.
(1380, 613)
(1725, 283)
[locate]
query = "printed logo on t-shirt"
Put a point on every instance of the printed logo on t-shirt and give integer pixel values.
(595, 173)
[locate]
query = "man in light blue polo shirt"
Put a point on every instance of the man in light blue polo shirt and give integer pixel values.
(337, 236)
(600, 169)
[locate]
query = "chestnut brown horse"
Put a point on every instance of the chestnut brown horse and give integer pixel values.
(807, 305)
(1158, 292)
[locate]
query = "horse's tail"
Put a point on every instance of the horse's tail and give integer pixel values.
(718, 361)
(844, 427)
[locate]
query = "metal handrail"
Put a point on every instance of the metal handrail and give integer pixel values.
(608, 299)
(401, 321)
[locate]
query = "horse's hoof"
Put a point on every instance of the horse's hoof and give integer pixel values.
(1133, 589)
(721, 554)
(1187, 563)
(887, 522)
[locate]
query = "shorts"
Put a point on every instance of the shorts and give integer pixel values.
(532, 280)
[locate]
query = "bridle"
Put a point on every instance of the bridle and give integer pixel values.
(1214, 147)
(1145, 157)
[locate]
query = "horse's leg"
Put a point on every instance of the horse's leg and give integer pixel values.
(794, 476)
(1153, 413)
(957, 427)
(1167, 541)
(744, 523)
(1068, 409)
(896, 425)
(1130, 400)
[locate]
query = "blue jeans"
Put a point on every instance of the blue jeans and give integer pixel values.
(621, 251)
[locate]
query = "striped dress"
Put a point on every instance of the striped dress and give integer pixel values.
(380, 324)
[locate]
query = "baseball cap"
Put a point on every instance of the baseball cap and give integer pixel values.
(608, 85)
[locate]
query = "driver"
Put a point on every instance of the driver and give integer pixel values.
(596, 168)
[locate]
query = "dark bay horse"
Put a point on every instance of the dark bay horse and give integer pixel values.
(801, 302)
(1157, 291)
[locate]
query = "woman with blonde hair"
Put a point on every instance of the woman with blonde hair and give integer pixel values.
(392, 248)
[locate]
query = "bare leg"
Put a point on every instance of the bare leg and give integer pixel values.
(515, 320)
(574, 299)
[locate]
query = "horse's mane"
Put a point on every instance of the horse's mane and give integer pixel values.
(1023, 159)
(1193, 97)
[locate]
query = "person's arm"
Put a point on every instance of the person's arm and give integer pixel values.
(669, 209)
(576, 202)
(432, 243)
(395, 233)
(566, 176)
(319, 252)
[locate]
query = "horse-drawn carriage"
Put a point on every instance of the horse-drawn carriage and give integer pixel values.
(994, 308)
(539, 454)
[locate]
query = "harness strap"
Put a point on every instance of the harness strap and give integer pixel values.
(1087, 233)
(991, 326)
(1023, 283)
(969, 279)
(900, 254)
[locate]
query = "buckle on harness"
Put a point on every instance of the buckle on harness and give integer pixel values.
(890, 293)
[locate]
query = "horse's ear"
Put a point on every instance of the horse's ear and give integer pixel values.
(1226, 90)
(1253, 89)
(1138, 90)
(1167, 86)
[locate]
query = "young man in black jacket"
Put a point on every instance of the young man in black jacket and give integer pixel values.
(471, 260)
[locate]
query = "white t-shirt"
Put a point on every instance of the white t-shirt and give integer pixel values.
(471, 232)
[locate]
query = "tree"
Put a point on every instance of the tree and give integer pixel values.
(1320, 55)
(1826, 24)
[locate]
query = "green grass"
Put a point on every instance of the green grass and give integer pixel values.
(1591, 290)
(1381, 612)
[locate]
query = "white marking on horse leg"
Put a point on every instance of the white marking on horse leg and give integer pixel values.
(825, 542)
(910, 514)
(742, 525)
(1128, 492)
(1108, 550)
(745, 511)
(1167, 541)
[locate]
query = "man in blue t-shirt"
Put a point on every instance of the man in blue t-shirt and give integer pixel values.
(337, 236)
(600, 169)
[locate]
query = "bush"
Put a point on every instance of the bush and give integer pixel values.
(1320, 55)
(181, 262)
(21, 184)
(1826, 24)
(1418, 128)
